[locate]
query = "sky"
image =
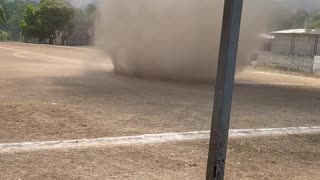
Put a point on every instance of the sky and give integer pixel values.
(81, 3)
(307, 4)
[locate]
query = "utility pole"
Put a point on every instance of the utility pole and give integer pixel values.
(306, 23)
(224, 89)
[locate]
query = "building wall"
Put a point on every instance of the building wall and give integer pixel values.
(295, 52)
(316, 66)
(295, 44)
(281, 43)
(303, 44)
(289, 62)
(318, 46)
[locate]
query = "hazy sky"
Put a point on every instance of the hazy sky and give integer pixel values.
(80, 3)
(309, 4)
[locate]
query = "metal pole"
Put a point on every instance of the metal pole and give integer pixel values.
(292, 44)
(224, 89)
(315, 45)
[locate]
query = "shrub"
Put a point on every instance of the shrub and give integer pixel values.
(5, 36)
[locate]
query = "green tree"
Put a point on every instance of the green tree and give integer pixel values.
(280, 19)
(314, 25)
(2, 15)
(4, 36)
(54, 15)
(84, 17)
(14, 11)
(30, 25)
(300, 18)
(314, 19)
(285, 18)
(314, 15)
(91, 9)
(81, 24)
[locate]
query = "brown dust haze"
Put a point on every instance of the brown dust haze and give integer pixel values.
(172, 39)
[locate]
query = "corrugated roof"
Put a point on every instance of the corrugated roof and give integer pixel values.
(298, 31)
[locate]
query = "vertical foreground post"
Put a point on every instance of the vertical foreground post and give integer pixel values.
(224, 89)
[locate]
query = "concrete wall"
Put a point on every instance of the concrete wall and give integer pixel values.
(294, 52)
(295, 44)
(281, 43)
(316, 66)
(289, 62)
(303, 44)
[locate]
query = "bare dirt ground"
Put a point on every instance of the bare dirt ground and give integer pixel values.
(292, 157)
(57, 93)
(54, 93)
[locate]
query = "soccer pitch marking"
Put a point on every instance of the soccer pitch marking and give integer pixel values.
(151, 139)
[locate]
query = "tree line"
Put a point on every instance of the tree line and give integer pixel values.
(285, 18)
(11, 13)
(26, 20)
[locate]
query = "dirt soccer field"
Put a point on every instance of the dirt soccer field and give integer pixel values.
(50, 93)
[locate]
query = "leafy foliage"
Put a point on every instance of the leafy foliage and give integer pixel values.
(2, 15)
(54, 15)
(14, 11)
(30, 25)
(315, 25)
(41, 19)
(284, 18)
(4, 36)
(314, 19)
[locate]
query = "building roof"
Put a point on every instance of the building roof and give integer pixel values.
(298, 31)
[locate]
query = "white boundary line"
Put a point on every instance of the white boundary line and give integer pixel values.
(19, 53)
(150, 139)
(85, 48)
(277, 84)
(279, 74)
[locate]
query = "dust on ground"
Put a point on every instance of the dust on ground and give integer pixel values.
(176, 40)
(60, 99)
